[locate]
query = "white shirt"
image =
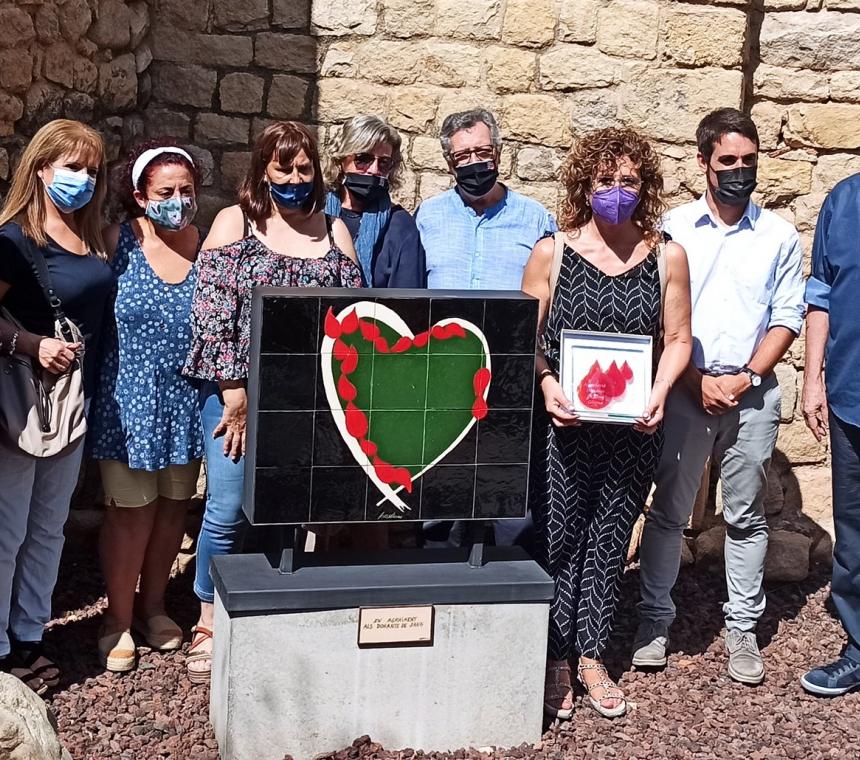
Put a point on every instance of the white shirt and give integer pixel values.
(744, 280)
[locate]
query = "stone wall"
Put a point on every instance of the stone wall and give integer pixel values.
(223, 69)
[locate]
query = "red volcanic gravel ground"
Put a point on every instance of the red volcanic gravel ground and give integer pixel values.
(691, 710)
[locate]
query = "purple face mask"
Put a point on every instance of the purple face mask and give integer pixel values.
(615, 204)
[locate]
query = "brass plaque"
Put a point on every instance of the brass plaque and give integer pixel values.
(395, 626)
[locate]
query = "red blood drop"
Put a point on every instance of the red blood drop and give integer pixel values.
(368, 447)
(369, 331)
(481, 381)
(392, 475)
(356, 421)
(332, 326)
(403, 344)
(421, 339)
(340, 350)
(438, 332)
(626, 372)
(345, 389)
(480, 408)
(456, 331)
(616, 382)
(381, 345)
(350, 323)
(593, 390)
(350, 362)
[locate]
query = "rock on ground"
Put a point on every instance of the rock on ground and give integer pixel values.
(27, 728)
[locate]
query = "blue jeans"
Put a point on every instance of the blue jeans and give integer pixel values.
(223, 521)
(845, 589)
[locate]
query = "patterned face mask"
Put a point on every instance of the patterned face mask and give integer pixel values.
(173, 213)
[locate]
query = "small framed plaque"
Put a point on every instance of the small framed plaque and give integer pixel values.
(395, 626)
(606, 376)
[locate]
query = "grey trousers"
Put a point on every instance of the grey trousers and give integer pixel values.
(742, 441)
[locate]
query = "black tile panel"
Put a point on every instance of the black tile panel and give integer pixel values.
(512, 383)
(290, 325)
(288, 381)
(504, 436)
(285, 439)
(282, 495)
(501, 490)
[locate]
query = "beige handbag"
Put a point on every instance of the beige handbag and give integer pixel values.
(42, 413)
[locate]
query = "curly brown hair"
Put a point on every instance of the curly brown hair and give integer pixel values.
(600, 151)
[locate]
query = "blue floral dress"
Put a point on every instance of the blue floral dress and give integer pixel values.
(145, 412)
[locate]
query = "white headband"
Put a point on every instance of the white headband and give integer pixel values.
(147, 156)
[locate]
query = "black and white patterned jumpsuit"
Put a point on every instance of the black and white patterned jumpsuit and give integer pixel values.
(590, 483)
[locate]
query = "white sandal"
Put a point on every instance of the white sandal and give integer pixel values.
(556, 692)
(612, 691)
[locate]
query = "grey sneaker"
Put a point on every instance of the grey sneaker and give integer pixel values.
(745, 663)
(649, 646)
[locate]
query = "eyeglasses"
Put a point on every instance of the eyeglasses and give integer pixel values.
(481, 153)
(364, 161)
(607, 182)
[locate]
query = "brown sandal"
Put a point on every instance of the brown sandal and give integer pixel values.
(32, 656)
(200, 635)
(12, 665)
(557, 692)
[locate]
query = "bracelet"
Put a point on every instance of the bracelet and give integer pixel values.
(663, 380)
(544, 373)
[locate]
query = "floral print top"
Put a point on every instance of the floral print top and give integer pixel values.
(144, 412)
(221, 313)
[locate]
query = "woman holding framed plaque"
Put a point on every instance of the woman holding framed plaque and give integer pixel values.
(612, 293)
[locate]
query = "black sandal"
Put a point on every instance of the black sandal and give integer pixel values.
(13, 667)
(31, 655)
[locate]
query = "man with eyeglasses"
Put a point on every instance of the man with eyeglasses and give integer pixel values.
(478, 236)
(747, 293)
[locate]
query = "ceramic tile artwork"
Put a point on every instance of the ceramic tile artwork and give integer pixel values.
(382, 405)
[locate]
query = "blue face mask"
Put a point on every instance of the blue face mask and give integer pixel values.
(290, 195)
(173, 213)
(70, 190)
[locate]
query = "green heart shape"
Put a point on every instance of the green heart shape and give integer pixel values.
(402, 402)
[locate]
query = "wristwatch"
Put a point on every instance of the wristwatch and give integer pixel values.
(755, 377)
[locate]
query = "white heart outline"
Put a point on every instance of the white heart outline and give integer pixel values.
(380, 312)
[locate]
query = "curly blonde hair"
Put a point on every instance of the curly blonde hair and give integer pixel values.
(601, 151)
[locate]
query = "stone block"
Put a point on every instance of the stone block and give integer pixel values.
(47, 24)
(288, 96)
(184, 84)
(291, 14)
(786, 375)
(592, 109)
(784, 5)
(446, 64)
(809, 491)
(475, 20)
(464, 99)
(408, 18)
(290, 53)
(29, 728)
(44, 102)
(787, 559)
(181, 14)
(577, 21)
(16, 27)
(11, 107)
(426, 153)
(832, 168)
(215, 129)
(138, 22)
(845, 85)
(16, 70)
(430, 184)
(537, 163)
(340, 99)
(112, 27)
(412, 109)
(234, 166)
(769, 118)
(4, 163)
(806, 208)
(536, 119)
(778, 178)
(205, 163)
(510, 69)
(668, 104)
(708, 546)
(529, 23)
(843, 5)
(798, 444)
(819, 41)
(164, 122)
(576, 67)
(142, 59)
(241, 93)
(824, 125)
(440, 697)
(117, 86)
(240, 16)
(615, 22)
(75, 19)
(341, 17)
(59, 64)
(545, 193)
(703, 36)
(779, 83)
(173, 44)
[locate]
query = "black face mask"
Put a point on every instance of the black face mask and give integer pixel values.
(735, 186)
(366, 187)
(477, 179)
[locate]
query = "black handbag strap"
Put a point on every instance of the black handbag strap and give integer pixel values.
(43, 277)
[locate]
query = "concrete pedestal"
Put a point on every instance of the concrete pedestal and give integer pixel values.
(294, 680)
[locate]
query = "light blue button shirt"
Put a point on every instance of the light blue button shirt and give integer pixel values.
(485, 251)
(744, 280)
